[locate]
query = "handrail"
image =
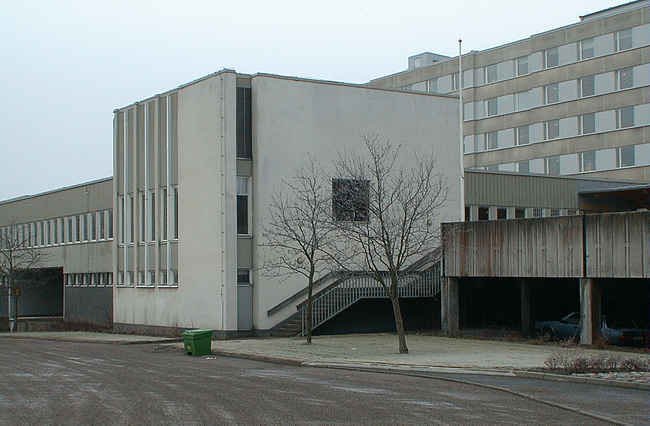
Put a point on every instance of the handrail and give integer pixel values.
(349, 290)
(297, 295)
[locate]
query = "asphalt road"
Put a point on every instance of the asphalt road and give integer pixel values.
(63, 383)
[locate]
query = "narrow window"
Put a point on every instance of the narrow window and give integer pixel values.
(587, 123)
(625, 156)
(85, 223)
(625, 79)
(491, 107)
(522, 100)
(522, 135)
(131, 221)
(152, 277)
(624, 40)
(586, 49)
(110, 224)
(454, 82)
(143, 217)
(70, 230)
(551, 57)
(163, 277)
(175, 277)
(55, 231)
(553, 165)
(93, 226)
(555, 212)
(244, 123)
(152, 217)
(164, 214)
(588, 161)
(492, 140)
(538, 212)
(490, 74)
(587, 87)
(625, 117)
(350, 200)
(242, 205)
(521, 66)
(551, 94)
(102, 225)
(552, 129)
(175, 214)
(523, 166)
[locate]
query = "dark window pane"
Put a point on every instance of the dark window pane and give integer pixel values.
(244, 125)
(242, 214)
(350, 199)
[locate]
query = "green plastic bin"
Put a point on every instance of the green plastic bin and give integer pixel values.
(198, 342)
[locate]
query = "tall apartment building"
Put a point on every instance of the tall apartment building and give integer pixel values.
(570, 101)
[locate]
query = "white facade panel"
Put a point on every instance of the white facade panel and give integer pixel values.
(569, 164)
(567, 53)
(642, 115)
(641, 35)
(604, 44)
(606, 159)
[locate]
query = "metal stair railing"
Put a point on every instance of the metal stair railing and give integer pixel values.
(333, 301)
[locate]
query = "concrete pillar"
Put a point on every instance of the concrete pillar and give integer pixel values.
(525, 306)
(589, 310)
(449, 306)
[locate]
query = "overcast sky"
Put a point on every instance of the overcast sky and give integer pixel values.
(66, 65)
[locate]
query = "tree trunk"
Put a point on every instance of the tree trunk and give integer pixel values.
(310, 316)
(399, 322)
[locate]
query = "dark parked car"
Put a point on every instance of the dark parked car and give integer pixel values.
(566, 328)
(626, 333)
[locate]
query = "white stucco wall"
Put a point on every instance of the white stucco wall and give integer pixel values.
(293, 118)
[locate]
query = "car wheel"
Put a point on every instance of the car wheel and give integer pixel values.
(547, 335)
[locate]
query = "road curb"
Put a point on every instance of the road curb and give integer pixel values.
(586, 380)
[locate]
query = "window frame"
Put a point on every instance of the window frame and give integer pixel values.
(618, 39)
(490, 73)
(552, 52)
(548, 125)
(521, 62)
(625, 75)
(586, 49)
(584, 81)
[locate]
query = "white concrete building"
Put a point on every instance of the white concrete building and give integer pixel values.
(194, 171)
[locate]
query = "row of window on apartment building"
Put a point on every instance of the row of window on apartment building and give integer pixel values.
(537, 61)
(147, 278)
(581, 162)
(474, 213)
(88, 279)
(153, 222)
(565, 91)
(569, 127)
(80, 228)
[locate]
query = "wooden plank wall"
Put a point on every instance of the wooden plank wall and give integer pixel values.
(617, 246)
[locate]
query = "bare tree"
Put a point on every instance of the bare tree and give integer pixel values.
(298, 229)
(385, 213)
(19, 262)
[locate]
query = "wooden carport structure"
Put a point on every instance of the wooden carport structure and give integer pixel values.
(591, 248)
